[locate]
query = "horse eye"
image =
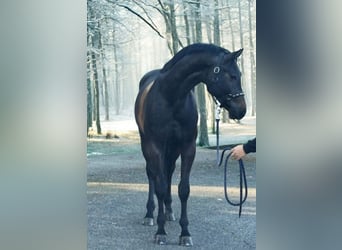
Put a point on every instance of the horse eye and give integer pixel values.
(233, 77)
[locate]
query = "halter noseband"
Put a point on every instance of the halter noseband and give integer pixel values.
(227, 97)
(232, 96)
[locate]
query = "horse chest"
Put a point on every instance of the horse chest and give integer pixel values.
(180, 123)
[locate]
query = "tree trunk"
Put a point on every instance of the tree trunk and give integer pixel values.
(96, 94)
(169, 14)
(187, 25)
(217, 36)
(209, 30)
(203, 131)
(173, 27)
(96, 89)
(105, 86)
(104, 76)
(241, 45)
(231, 27)
(252, 59)
(217, 41)
(203, 139)
(117, 89)
(225, 117)
(89, 89)
(89, 101)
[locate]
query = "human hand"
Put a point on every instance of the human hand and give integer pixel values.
(237, 152)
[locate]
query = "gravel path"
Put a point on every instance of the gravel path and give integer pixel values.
(117, 193)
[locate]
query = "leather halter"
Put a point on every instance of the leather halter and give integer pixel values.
(232, 96)
(217, 70)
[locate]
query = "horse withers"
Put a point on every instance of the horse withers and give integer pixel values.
(166, 115)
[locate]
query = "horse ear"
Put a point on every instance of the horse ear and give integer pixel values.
(233, 56)
(236, 54)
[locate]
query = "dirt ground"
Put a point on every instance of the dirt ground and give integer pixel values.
(117, 193)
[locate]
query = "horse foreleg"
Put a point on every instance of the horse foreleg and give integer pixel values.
(183, 193)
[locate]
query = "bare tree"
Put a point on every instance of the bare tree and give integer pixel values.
(217, 41)
(93, 30)
(119, 52)
(217, 35)
(203, 139)
(104, 74)
(186, 22)
(117, 87)
(231, 26)
(89, 95)
(89, 85)
(96, 94)
(252, 59)
(241, 43)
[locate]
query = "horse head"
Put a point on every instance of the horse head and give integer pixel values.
(224, 83)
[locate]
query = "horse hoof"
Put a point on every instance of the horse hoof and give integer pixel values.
(148, 221)
(160, 239)
(185, 241)
(170, 216)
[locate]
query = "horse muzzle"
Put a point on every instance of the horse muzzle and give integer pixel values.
(235, 104)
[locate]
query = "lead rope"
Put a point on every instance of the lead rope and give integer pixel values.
(243, 181)
(217, 118)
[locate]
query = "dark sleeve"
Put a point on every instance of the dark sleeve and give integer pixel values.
(250, 146)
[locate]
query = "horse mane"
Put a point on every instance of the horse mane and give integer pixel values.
(192, 49)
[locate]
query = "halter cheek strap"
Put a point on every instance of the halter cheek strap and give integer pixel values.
(217, 70)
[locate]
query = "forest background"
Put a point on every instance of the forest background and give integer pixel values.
(126, 39)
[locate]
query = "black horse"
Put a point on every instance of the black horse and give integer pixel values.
(166, 114)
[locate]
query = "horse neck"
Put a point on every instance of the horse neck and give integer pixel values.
(178, 81)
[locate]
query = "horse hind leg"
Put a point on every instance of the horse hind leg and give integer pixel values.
(168, 199)
(169, 215)
(157, 186)
(161, 189)
(150, 206)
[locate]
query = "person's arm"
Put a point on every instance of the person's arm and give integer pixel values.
(250, 146)
(241, 150)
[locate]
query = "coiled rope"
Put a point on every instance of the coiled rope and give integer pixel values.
(243, 181)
